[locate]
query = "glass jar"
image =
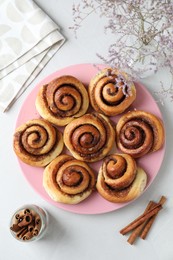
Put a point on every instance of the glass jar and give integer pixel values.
(29, 223)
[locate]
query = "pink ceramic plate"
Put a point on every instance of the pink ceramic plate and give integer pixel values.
(95, 203)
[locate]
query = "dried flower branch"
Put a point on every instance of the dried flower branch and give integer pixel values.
(143, 34)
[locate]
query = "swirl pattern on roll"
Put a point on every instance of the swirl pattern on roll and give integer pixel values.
(111, 92)
(119, 178)
(90, 137)
(68, 180)
(37, 142)
(62, 100)
(139, 133)
(119, 170)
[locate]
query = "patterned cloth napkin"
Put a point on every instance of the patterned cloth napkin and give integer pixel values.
(28, 40)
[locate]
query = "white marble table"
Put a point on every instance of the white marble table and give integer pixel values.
(75, 236)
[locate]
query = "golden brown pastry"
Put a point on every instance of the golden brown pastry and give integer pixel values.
(62, 100)
(111, 92)
(68, 180)
(139, 132)
(90, 137)
(37, 142)
(119, 179)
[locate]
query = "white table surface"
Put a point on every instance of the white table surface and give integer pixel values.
(70, 235)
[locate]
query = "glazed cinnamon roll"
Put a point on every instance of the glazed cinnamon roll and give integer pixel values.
(119, 179)
(37, 142)
(62, 100)
(68, 180)
(139, 132)
(90, 137)
(111, 92)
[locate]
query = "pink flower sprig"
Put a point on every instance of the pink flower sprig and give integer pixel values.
(143, 33)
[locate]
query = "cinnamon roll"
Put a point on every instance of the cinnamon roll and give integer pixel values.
(139, 132)
(90, 137)
(62, 100)
(119, 179)
(37, 142)
(111, 92)
(68, 180)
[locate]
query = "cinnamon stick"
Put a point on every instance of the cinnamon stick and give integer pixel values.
(37, 225)
(139, 228)
(26, 224)
(141, 219)
(28, 235)
(22, 232)
(151, 220)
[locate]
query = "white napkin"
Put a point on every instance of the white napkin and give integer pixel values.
(28, 40)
